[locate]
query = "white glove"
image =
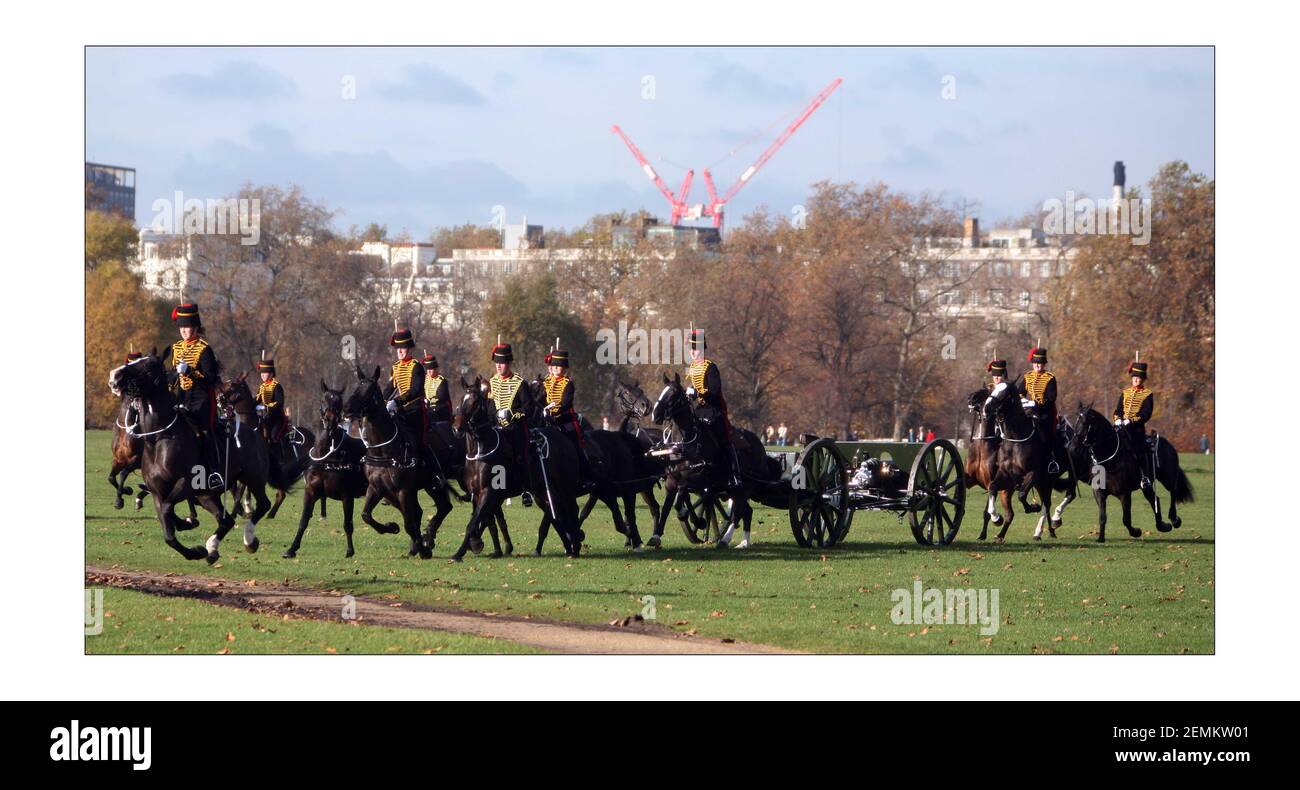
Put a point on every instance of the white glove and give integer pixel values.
(503, 415)
(392, 407)
(1026, 403)
(261, 408)
(690, 392)
(183, 367)
(1118, 422)
(1126, 422)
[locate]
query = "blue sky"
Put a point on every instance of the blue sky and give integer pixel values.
(440, 136)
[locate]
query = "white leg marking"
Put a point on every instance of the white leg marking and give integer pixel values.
(212, 544)
(249, 534)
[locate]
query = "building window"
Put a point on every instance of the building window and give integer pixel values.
(1001, 269)
(1026, 269)
(507, 267)
(1045, 269)
(1024, 298)
(1042, 297)
(998, 297)
(950, 297)
(974, 298)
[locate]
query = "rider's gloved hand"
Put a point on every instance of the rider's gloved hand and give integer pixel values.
(690, 392)
(261, 408)
(1026, 403)
(392, 407)
(503, 416)
(1126, 422)
(182, 367)
(1118, 422)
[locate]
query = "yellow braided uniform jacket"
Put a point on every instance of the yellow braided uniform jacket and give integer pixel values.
(1039, 387)
(707, 381)
(407, 381)
(505, 394)
(270, 394)
(559, 396)
(1136, 405)
(191, 352)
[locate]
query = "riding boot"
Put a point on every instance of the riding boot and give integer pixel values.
(735, 467)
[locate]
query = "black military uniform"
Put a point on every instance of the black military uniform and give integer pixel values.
(1132, 411)
(405, 394)
(195, 375)
(270, 402)
(513, 400)
(558, 390)
(438, 394)
(996, 367)
(705, 389)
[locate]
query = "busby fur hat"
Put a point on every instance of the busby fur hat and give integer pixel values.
(502, 352)
(1038, 355)
(697, 340)
(559, 357)
(266, 366)
(186, 314)
(1137, 369)
(133, 357)
(402, 338)
(430, 361)
(998, 367)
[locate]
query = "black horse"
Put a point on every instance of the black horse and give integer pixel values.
(1020, 463)
(1115, 472)
(498, 464)
(173, 461)
(288, 456)
(394, 472)
(334, 471)
(617, 469)
(699, 463)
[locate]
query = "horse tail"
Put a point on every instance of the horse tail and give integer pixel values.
(1182, 490)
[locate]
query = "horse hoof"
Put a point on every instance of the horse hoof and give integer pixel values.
(1164, 527)
(639, 550)
(997, 521)
(1038, 537)
(582, 536)
(139, 505)
(510, 549)
(1177, 522)
(391, 529)
(1055, 523)
(288, 555)
(426, 554)
(349, 554)
(654, 541)
(496, 555)
(1101, 538)
(476, 546)
(1134, 533)
(251, 548)
(537, 552)
(456, 558)
(1051, 532)
(1033, 508)
(212, 557)
(119, 504)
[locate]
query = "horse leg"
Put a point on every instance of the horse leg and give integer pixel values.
(1100, 495)
(670, 497)
(167, 517)
(1153, 499)
(1010, 510)
(541, 534)
(261, 504)
(141, 492)
(308, 504)
(348, 505)
(442, 508)
(275, 507)
(118, 504)
(648, 496)
(367, 508)
(586, 508)
(225, 522)
(1045, 496)
(1126, 503)
(487, 501)
(629, 509)
(1030, 481)
(409, 503)
(323, 500)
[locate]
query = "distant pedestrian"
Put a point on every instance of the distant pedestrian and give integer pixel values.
(1205, 444)
(781, 435)
(929, 435)
(604, 422)
(769, 435)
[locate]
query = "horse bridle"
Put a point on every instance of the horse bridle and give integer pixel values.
(1083, 437)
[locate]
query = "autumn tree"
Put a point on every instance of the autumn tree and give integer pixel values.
(120, 317)
(109, 237)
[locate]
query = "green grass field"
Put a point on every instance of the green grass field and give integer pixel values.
(1070, 595)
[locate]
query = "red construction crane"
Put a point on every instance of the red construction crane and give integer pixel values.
(715, 208)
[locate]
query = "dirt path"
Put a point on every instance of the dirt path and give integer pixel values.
(558, 637)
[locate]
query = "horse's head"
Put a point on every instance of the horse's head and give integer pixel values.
(632, 400)
(1088, 422)
(367, 400)
(236, 395)
(475, 410)
(672, 400)
(975, 401)
(331, 410)
(143, 378)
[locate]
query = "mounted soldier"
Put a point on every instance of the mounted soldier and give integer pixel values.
(997, 370)
(270, 404)
(405, 395)
(438, 395)
(513, 402)
(1037, 390)
(194, 379)
(558, 391)
(705, 392)
(1134, 408)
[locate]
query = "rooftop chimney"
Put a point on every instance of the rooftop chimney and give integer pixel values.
(971, 233)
